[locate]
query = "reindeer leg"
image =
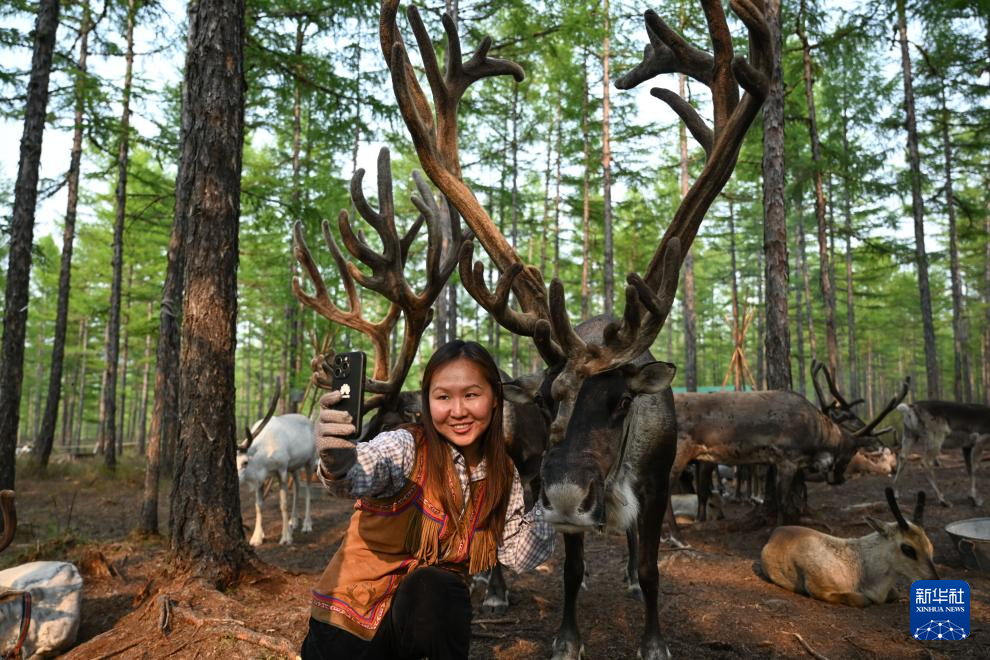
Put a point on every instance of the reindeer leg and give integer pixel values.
(973, 462)
(307, 525)
(294, 516)
(497, 597)
(928, 463)
(283, 503)
(567, 643)
(656, 498)
(786, 473)
(259, 533)
(633, 590)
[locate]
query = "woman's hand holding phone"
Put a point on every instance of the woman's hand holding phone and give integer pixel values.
(337, 453)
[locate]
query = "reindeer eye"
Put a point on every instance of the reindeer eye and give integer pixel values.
(624, 404)
(908, 551)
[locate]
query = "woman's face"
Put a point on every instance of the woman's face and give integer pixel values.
(461, 405)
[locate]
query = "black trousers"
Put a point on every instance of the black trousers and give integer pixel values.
(430, 617)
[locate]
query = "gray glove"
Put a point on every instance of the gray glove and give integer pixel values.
(337, 454)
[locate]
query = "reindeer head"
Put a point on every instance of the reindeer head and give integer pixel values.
(909, 551)
(855, 434)
(594, 381)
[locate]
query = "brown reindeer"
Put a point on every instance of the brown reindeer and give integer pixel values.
(858, 572)
(613, 434)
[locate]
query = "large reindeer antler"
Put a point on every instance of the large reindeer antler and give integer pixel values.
(648, 299)
(387, 276)
(841, 412)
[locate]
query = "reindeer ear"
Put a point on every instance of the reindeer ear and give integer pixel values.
(877, 525)
(522, 390)
(651, 378)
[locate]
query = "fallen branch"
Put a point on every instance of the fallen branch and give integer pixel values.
(497, 621)
(812, 652)
(487, 635)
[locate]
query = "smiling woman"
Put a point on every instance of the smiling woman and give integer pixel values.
(437, 501)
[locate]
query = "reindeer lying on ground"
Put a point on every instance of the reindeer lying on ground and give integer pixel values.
(858, 572)
(278, 446)
(930, 426)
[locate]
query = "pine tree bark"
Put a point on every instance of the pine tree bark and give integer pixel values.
(556, 197)
(690, 311)
(142, 430)
(515, 207)
(825, 279)
(960, 331)
(850, 288)
(609, 266)
(84, 344)
(291, 311)
(586, 199)
(204, 534)
(777, 274)
(918, 208)
(21, 231)
(125, 341)
(986, 298)
(109, 408)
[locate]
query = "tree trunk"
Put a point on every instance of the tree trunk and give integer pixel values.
(760, 370)
(21, 231)
(778, 337)
(917, 204)
(799, 313)
(142, 431)
(125, 340)
(109, 408)
(850, 293)
(556, 197)
(960, 331)
(586, 198)
(609, 275)
(291, 311)
(84, 329)
(690, 311)
(515, 207)
(807, 287)
(986, 300)
(825, 279)
(734, 366)
(205, 488)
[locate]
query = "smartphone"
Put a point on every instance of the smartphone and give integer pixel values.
(348, 377)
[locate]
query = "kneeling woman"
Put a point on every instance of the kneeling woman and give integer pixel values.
(438, 501)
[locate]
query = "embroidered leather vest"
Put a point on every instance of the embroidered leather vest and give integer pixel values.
(388, 538)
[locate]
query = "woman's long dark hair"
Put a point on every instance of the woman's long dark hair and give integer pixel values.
(440, 466)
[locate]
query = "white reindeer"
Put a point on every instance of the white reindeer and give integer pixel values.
(278, 446)
(857, 572)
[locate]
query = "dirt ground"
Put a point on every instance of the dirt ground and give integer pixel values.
(713, 604)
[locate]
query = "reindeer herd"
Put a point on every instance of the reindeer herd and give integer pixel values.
(597, 434)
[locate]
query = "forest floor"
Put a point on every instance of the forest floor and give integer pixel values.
(713, 605)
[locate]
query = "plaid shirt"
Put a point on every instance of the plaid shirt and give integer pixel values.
(384, 464)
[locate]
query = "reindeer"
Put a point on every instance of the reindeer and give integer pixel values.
(613, 435)
(775, 427)
(857, 572)
(933, 425)
(279, 446)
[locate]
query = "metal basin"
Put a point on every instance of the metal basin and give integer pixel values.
(972, 538)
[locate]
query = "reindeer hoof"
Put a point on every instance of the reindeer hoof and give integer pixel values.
(285, 540)
(567, 650)
(976, 501)
(307, 526)
(945, 503)
(635, 592)
(495, 605)
(653, 650)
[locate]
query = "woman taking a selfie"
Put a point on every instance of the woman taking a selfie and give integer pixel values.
(437, 501)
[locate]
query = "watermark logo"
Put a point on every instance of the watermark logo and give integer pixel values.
(940, 609)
